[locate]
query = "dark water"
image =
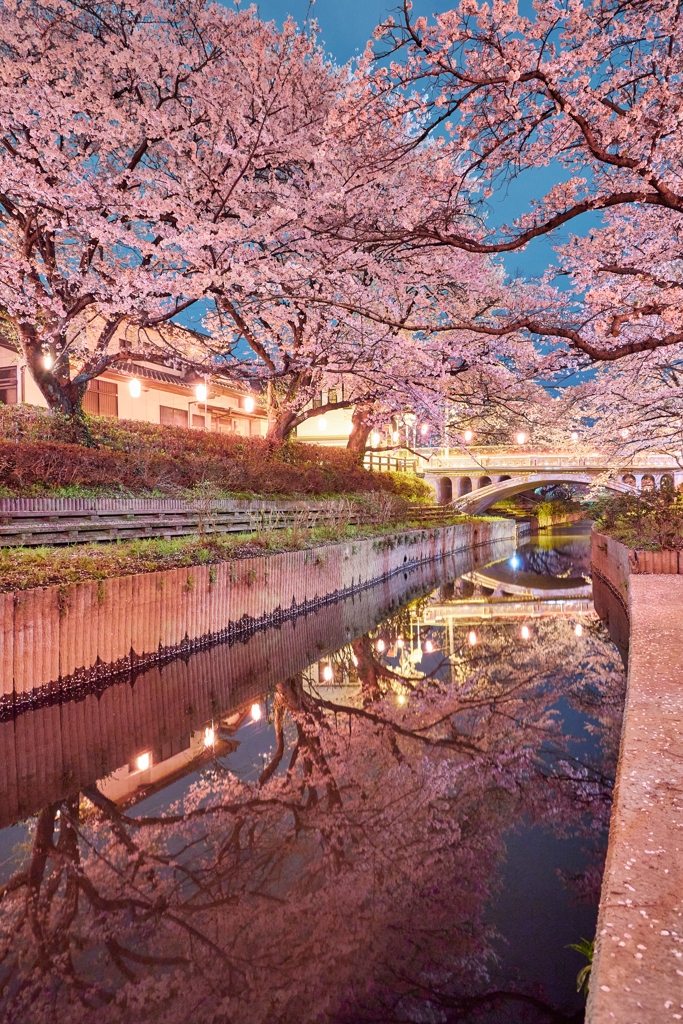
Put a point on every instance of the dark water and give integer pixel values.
(394, 810)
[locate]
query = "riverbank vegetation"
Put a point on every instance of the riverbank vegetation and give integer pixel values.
(26, 568)
(40, 457)
(646, 521)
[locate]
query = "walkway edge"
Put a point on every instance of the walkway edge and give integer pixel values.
(637, 974)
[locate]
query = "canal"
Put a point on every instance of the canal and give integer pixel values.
(392, 810)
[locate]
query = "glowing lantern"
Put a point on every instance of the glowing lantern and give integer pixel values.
(209, 736)
(48, 361)
(200, 392)
(248, 404)
(143, 762)
(135, 388)
(322, 423)
(525, 633)
(578, 629)
(468, 435)
(327, 673)
(521, 438)
(375, 440)
(380, 645)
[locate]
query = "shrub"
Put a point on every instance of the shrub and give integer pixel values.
(38, 453)
(648, 520)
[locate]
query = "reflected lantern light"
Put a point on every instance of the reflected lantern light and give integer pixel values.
(400, 642)
(429, 646)
(526, 632)
(209, 736)
(256, 712)
(578, 629)
(472, 637)
(322, 423)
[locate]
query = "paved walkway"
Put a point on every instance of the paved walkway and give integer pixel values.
(637, 973)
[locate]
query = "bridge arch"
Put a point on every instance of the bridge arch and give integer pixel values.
(478, 501)
(483, 481)
(445, 490)
(464, 485)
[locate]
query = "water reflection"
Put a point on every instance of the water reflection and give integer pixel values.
(347, 869)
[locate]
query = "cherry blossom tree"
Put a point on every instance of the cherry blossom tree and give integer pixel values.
(591, 90)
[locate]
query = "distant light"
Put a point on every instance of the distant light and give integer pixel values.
(48, 361)
(400, 642)
(354, 659)
(135, 388)
(380, 645)
(521, 438)
(575, 436)
(410, 418)
(248, 404)
(526, 633)
(256, 712)
(578, 629)
(624, 432)
(209, 736)
(429, 646)
(424, 429)
(472, 637)
(514, 562)
(322, 423)
(394, 436)
(468, 435)
(200, 392)
(401, 698)
(143, 762)
(327, 673)
(375, 440)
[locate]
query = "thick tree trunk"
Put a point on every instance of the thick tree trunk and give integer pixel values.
(360, 430)
(60, 393)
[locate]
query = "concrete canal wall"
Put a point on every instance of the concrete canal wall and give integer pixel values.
(637, 975)
(61, 635)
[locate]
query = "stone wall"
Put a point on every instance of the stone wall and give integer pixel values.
(60, 635)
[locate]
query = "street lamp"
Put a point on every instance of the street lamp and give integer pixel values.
(575, 436)
(468, 435)
(48, 361)
(521, 438)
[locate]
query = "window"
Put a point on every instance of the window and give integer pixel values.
(172, 417)
(197, 421)
(8, 385)
(101, 398)
(332, 396)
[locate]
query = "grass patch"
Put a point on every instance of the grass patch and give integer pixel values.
(26, 568)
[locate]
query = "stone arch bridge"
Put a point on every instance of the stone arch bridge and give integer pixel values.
(475, 482)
